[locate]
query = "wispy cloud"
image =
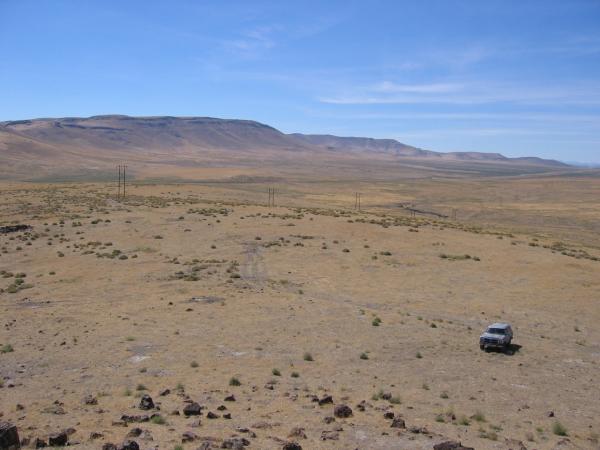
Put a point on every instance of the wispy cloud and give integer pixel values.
(434, 88)
(466, 93)
(253, 42)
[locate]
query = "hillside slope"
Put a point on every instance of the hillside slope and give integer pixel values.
(175, 146)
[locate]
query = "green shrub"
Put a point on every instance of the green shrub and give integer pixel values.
(158, 419)
(559, 429)
(7, 348)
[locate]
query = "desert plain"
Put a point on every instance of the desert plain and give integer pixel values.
(266, 320)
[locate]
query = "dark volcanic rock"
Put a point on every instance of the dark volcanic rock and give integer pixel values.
(58, 439)
(192, 409)
(146, 402)
(342, 411)
(134, 432)
(451, 445)
(40, 443)
(230, 398)
(388, 415)
(131, 419)
(109, 446)
(188, 436)
(292, 446)
(90, 400)
(326, 400)
(235, 443)
(14, 229)
(9, 436)
(129, 445)
(212, 415)
(398, 423)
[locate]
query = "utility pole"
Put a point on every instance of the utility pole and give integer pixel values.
(357, 200)
(122, 175)
(271, 197)
(124, 167)
(119, 185)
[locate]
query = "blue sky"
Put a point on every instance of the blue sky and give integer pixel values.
(516, 77)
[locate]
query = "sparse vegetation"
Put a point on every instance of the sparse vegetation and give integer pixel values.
(7, 348)
(559, 429)
(157, 419)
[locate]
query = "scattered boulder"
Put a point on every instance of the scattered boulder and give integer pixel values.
(212, 415)
(164, 392)
(328, 399)
(129, 445)
(291, 446)
(109, 446)
(192, 409)
(134, 432)
(59, 439)
(342, 411)
(362, 406)
(389, 415)
(230, 398)
(146, 402)
(95, 435)
(188, 436)
(90, 400)
(398, 423)
(451, 445)
(9, 436)
(235, 443)
(14, 228)
(39, 443)
(131, 419)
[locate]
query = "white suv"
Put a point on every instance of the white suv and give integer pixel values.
(497, 335)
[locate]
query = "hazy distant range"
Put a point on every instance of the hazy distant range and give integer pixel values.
(200, 148)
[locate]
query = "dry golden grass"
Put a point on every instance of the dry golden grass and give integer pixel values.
(216, 287)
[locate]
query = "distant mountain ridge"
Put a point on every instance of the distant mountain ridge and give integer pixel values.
(27, 146)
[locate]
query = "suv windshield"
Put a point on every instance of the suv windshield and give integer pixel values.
(496, 331)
